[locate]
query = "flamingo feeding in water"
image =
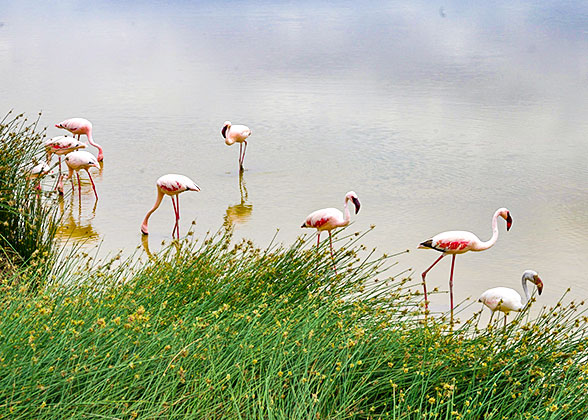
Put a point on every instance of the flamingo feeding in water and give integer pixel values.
(77, 161)
(505, 299)
(239, 134)
(330, 218)
(172, 185)
(459, 242)
(61, 145)
(37, 172)
(79, 126)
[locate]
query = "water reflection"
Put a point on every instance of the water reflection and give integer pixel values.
(239, 213)
(76, 226)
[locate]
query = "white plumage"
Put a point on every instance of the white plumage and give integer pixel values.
(81, 160)
(236, 134)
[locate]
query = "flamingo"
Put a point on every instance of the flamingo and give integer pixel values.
(330, 218)
(459, 242)
(79, 126)
(172, 185)
(37, 172)
(61, 145)
(239, 134)
(79, 160)
(505, 299)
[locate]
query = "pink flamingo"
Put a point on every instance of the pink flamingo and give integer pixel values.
(330, 218)
(61, 145)
(37, 172)
(239, 134)
(79, 126)
(78, 160)
(459, 242)
(172, 185)
(505, 299)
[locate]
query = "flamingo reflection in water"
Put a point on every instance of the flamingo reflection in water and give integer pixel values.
(77, 227)
(241, 212)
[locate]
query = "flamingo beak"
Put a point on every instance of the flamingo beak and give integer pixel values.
(224, 132)
(539, 284)
(356, 203)
(508, 222)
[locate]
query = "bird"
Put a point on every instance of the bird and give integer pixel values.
(330, 218)
(172, 185)
(459, 242)
(79, 126)
(79, 160)
(61, 145)
(37, 172)
(239, 134)
(505, 299)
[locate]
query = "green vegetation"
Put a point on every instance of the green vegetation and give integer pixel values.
(211, 329)
(27, 225)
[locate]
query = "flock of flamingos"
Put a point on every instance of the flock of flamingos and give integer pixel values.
(447, 243)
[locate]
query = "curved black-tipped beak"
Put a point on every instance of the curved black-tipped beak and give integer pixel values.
(224, 132)
(539, 284)
(356, 203)
(508, 222)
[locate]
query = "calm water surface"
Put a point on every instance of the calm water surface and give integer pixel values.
(435, 113)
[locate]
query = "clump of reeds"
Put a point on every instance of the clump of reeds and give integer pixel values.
(27, 223)
(215, 330)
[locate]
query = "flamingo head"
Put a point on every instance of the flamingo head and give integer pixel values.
(351, 195)
(533, 277)
(226, 126)
(505, 214)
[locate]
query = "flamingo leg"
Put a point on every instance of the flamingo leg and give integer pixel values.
(505, 315)
(79, 186)
(332, 256)
(244, 151)
(491, 316)
(318, 239)
(240, 152)
(59, 179)
(176, 216)
(423, 275)
(93, 186)
(451, 286)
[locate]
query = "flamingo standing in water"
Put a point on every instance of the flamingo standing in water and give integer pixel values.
(330, 218)
(61, 145)
(239, 134)
(77, 161)
(505, 299)
(37, 172)
(459, 242)
(79, 126)
(172, 185)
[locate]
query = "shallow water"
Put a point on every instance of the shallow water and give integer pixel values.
(436, 114)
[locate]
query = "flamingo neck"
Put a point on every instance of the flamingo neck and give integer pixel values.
(489, 243)
(526, 291)
(144, 228)
(91, 141)
(347, 218)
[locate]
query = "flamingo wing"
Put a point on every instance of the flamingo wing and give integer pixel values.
(323, 219)
(454, 242)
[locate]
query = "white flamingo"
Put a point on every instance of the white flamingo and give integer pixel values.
(79, 160)
(172, 185)
(79, 126)
(459, 242)
(239, 134)
(330, 218)
(61, 145)
(505, 299)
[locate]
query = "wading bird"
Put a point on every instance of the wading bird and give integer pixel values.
(505, 299)
(330, 218)
(37, 172)
(79, 126)
(459, 242)
(77, 161)
(239, 134)
(172, 185)
(61, 145)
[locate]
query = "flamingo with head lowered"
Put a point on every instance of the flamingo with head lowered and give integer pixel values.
(78, 160)
(172, 185)
(236, 133)
(61, 145)
(330, 218)
(460, 242)
(79, 126)
(505, 299)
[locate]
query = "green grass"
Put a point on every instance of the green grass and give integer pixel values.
(27, 224)
(212, 330)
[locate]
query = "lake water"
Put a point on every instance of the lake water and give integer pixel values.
(435, 113)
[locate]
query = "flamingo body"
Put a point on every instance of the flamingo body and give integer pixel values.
(172, 185)
(81, 160)
(79, 126)
(62, 145)
(236, 134)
